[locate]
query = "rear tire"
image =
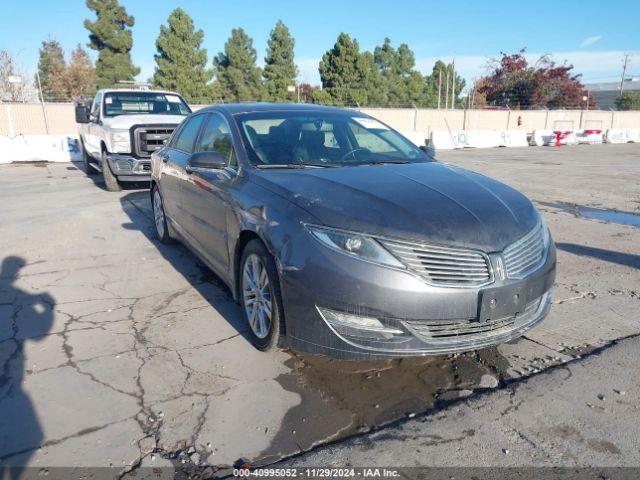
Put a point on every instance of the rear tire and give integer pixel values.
(260, 297)
(110, 180)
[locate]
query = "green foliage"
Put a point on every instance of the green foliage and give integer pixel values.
(52, 68)
(280, 70)
(348, 76)
(442, 75)
(111, 36)
(403, 85)
(628, 101)
(181, 63)
(239, 78)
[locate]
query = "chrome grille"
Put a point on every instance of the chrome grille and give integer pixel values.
(434, 329)
(443, 265)
(526, 254)
(149, 139)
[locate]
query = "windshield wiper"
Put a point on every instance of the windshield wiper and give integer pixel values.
(384, 162)
(267, 166)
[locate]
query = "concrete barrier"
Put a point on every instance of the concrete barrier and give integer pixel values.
(590, 136)
(417, 138)
(447, 140)
(482, 138)
(49, 148)
(512, 138)
(623, 135)
(550, 137)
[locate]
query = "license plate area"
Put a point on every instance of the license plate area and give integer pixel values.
(503, 302)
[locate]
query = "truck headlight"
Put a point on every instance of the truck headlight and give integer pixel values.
(355, 245)
(120, 141)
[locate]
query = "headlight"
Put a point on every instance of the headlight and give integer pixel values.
(355, 245)
(120, 141)
(546, 235)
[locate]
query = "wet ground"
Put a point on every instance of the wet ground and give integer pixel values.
(117, 350)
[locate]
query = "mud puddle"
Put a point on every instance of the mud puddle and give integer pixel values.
(602, 214)
(340, 398)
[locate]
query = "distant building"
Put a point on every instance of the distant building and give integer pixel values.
(606, 93)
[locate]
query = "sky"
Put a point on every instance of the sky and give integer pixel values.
(593, 36)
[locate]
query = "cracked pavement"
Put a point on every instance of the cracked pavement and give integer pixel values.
(117, 351)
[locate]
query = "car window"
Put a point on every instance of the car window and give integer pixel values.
(134, 103)
(216, 137)
(186, 137)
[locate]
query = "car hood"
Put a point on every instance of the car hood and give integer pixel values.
(126, 121)
(430, 202)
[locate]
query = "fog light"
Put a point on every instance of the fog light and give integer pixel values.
(358, 322)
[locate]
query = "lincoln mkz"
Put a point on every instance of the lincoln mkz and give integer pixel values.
(339, 236)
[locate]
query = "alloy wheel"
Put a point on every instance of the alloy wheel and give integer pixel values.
(158, 213)
(256, 292)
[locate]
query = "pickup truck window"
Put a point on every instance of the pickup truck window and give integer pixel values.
(132, 103)
(95, 108)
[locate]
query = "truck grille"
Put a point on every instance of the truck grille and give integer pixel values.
(443, 265)
(526, 254)
(434, 329)
(149, 139)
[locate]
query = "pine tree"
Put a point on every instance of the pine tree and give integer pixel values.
(403, 85)
(238, 76)
(111, 36)
(181, 62)
(51, 68)
(80, 75)
(348, 76)
(280, 70)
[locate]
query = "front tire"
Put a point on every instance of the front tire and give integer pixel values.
(260, 297)
(110, 180)
(86, 161)
(160, 219)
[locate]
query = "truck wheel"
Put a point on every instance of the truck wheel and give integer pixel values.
(260, 297)
(86, 160)
(110, 180)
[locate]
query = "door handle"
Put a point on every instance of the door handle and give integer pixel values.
(164, 158)
(188, 169)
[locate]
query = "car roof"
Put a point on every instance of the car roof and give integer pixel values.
(238, 108)
(134, 90)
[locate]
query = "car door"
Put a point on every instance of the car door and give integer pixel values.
(173, 161)
(206, 193)
(92, 136)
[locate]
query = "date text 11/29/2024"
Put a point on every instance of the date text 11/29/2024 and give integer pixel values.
(317, 472)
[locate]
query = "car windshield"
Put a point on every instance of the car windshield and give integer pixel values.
(322, 139)
(132, 103)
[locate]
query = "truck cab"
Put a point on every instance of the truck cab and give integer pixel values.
(122, 128)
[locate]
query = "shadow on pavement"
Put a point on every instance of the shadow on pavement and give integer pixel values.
(24, 317)
(626, 259)
(137, 206)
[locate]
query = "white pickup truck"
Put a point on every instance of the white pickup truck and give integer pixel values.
(122, 128)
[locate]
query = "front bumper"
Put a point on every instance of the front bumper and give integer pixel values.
(128, 168)
(430, 319)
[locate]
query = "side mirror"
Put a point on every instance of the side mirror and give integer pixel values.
(82, 114)
(211, 160)
(429, 150)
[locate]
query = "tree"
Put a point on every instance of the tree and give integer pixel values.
(111, 36)
(516, 84)
(348, 76)
(280, 70)
(80, 77)
(181, 63)
(403, 85)
(52, 68)
(10, 89)
(238, 76)
(441, 79)
(628, 101)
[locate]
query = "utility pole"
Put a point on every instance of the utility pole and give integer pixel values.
(453, 84)
(624, 71)
(446, 94)
(439, 86)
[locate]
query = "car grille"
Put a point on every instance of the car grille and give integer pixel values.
(149, 139)
(526, 254)
(442, 329)
(443, 265)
